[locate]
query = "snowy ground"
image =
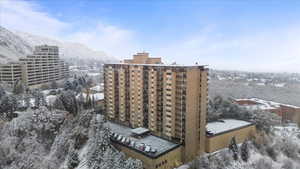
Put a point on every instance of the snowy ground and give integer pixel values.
(280, 151)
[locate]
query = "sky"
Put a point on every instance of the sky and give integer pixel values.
(248, 35)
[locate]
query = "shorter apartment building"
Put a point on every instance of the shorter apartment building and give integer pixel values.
(155, 152)
(288, 113)
(42, 67)
(10, 73)
(220, 133)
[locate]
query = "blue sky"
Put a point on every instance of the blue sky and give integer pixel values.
(225, 34)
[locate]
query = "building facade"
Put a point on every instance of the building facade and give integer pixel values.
(220, 133)
(10, 73)
(42, 67)
(169, 100)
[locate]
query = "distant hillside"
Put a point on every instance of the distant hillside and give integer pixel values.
(279, 87)
(14, 45)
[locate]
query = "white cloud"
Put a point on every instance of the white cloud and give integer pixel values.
(276, 50)
(27, 16)
(107, 37)
(272, 50)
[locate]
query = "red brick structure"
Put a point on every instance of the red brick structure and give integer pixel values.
(288, 113)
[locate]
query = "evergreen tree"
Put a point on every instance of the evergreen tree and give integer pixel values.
(68, 85)
(8, 106)
(80, 100)
(93, 101)
(39, 99)
(82, 81)
(58, 104)
(78, 89)
(69, 102)
(18, 87)
(89, 82)
(53, 85)
(245, 155)
(73, 160)
(2, 92)
(27, 101)
(234, 148)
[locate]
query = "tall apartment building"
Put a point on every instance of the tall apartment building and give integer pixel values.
(169, 100)
(42, 67)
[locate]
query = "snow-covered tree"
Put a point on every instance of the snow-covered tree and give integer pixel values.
(245, 151)
(78, 89)
(68, 101)
(68, 85)
(18, 87)
(73, 160)
(234, 148)
(221, 108)
(53, 85)
(58, 104)
(102, 155)
(2, 92)
(39, 98)
(8, 106)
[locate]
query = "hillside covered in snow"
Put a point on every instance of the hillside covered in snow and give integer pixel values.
(15, 44)
(39, 139)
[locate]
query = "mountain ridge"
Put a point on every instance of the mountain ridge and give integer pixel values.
(17, 44)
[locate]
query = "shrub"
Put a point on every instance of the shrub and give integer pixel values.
(272, 153)
(263, 164)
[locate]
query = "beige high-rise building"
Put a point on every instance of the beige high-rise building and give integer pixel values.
(42, 67)
(170, 100)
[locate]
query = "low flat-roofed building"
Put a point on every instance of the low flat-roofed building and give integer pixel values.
(155, 152)
(288, 113)
(220, 133)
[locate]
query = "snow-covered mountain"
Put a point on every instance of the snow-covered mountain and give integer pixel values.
(12, 46)
(15, 44)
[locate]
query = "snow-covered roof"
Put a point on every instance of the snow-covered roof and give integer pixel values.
(139, 130)
(22, 102)
(97, 96)
(50, 99)
(93, 74)
(157, 145)
(225, 125)
(97, 88)
(265, 104)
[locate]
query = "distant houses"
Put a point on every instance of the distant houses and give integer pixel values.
(288, 113)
